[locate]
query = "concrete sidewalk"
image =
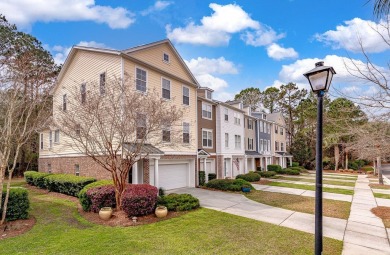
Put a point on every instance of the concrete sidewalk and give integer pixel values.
(238, 204)
(312, 177)
(365, 232)
(302, 192)
(311, 184)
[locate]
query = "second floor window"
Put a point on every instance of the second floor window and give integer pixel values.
(237, 140)
(206, 111)
(207, 138)
(57, 136)
(64, 102)
(186, 132)
(261, 148)
(268, 128)
(140, 81)
(50, 139)
(250, 124)
(186, 96)
(226, 114)
(276, 146)
(166, 88)
(250, 144)
(141, 126)
(237, 119)
(102, 84)
(226, 140)
(281, 131)
(281, 147)
(83, 91)
(276, 129)
(261, 125)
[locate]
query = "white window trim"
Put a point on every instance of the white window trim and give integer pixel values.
(211, 111)
(227, 140)
(235, 142)
(189, 132)
(50, 139)
(147, 78)
(226, 113)
(169, 58)
(212, 142)
(170, 88)
(77, 173)
(55, 131)
(189, 95)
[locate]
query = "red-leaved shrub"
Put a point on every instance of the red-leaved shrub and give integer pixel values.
(103, 196)
(139, 199)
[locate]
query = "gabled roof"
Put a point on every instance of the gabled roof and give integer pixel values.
(202, 152)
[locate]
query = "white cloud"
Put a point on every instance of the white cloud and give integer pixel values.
(216, 29)
(354, 31)
(26, 12)
(215, 83)
(224, 96)
(158, 6)
(211, 65)
(61, 52)
(263, 36)
(277, 52)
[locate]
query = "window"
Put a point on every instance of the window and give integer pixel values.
(83, 91)
(261, 148)
(276, 129)
(261, 126)
(41, 146)
(264, 116)
(226, 114)
(281, 131)
(77, 169)
(186, 96)
(276, 146)
(250, 144)
(140, 80)
(208, 94)
(206, 111)
(102, 84)
(64, 101)
(207, 138)
(250, 124)
(237, 139)
(281, 147)
(237, 119)
(78, 129)
(166, 132)
(186, 132)
(49, 168)
(166, 57)
(268, 145)
(57, 136)
(50, 139)
(166, 88)
(141, 126)
(268, 128)
(226, 140)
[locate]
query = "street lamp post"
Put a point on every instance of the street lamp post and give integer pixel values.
(319, 78)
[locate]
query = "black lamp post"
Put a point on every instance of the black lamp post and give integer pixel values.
(319, 78)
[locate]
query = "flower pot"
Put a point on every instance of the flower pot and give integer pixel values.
(246, 190)
(105, 213)
(161, 211)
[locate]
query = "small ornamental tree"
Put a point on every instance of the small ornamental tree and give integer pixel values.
(111, 123)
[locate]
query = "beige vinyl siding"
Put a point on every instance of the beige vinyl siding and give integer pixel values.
(154, 83)
(154, 57)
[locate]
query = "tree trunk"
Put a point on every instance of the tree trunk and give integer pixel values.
(346, 158)
(6, 198)
(379, 165)
(336, 157)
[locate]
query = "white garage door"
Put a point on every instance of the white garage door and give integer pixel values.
(173, 176)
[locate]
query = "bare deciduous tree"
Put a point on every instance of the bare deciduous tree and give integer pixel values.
(112, 123)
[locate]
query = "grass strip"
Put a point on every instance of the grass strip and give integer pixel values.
(380, 195)
(349, 184)
(311, 187)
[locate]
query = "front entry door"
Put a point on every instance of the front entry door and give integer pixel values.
(131, 175)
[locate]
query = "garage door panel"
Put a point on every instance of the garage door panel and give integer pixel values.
(173, 176)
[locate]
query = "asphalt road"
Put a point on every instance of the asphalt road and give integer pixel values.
(386, 170)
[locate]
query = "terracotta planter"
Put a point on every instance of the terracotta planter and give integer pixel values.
(105, 213)
(161, 211)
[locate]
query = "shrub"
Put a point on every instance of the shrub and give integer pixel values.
(267, 174)
(212, 176)
(289, 171)
(360, 163)
(228, 184)
(179, 202)
(67, 184)
(367, 168)
(202, 178)
(103, 196)
(85, 200)
(353, 165)
(295, 164)
(275, 168)
(258, 168)
(161, 192)
(250, 177)
(36, 178)
(139, 199)
(18, 204)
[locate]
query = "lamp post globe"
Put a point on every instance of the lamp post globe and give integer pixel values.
(320, 79)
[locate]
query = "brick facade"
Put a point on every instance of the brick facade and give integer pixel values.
(146, 170)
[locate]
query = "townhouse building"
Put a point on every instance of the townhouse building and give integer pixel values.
(280, 156)
(155, 66)
(252, 154)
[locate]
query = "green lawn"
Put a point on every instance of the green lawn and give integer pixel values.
(341, 183)
(337, 177)
(311, 187)
(61, 230)
(331, 208)
(380, 195)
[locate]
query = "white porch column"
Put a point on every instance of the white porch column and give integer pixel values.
(290, 158)
(156, 173)
(135, 173)
(253, 164)
(245, 165)
(205, 170)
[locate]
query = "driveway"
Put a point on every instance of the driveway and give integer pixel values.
(238, 204)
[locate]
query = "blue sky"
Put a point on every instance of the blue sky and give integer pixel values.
(228, 45)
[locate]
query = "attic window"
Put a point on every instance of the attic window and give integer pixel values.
(166, 57)
(208, 94)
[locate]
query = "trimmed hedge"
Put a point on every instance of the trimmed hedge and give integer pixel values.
(67, 184)
(266, 174)
(275, 168)
(212, 176)
(228, 184)
(202, 178)
(18, 204)
(250, 177)
(36, 178)
(295, 164)
(289, 171)
(179, 202)
(139, 199)
(85, 200)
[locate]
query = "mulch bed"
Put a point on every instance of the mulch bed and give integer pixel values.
(350, 172)
(17, 227)
(263, 182)
(382, 212)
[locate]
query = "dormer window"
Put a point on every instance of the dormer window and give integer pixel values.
(166, 57)
(264, 116)
(208, 94)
